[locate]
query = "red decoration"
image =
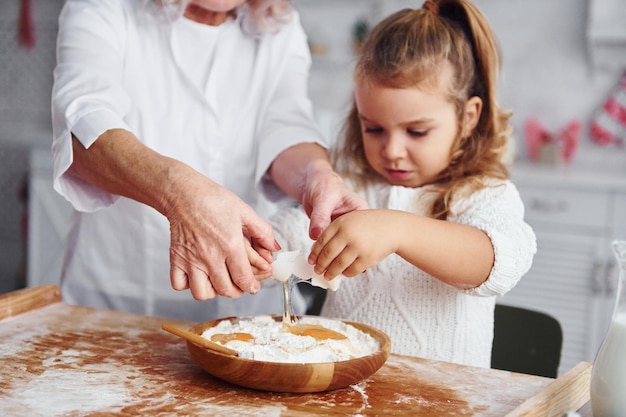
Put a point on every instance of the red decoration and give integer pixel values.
(26, 29)
(609, 123)
(538, 139)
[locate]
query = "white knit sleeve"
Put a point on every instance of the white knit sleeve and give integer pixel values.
(498, 210)
(291, 229)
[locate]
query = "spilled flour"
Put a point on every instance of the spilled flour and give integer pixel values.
(311, 340)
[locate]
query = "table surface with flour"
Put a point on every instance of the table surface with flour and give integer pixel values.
(59, 359)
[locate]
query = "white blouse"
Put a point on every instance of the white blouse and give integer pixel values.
(423, 316)
(226, 105)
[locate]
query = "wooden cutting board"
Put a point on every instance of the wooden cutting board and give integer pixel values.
(57, 359)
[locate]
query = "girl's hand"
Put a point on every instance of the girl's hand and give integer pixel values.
(354, 242)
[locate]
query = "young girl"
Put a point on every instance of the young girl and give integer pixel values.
(423, 143)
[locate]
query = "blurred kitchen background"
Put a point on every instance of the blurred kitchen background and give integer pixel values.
(562, 64)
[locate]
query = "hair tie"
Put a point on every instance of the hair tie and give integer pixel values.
(432, 6)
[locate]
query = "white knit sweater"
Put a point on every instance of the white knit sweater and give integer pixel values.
(423, 316)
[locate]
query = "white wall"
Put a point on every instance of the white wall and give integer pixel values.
(547, 72)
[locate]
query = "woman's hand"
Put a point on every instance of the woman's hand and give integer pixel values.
(354, 242)
(326, 197)
(259, 259)
(305, 173)
(213, 234)
(211, 228)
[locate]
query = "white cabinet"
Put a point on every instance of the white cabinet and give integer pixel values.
(575, 218)
(49, 217)
(619, 217)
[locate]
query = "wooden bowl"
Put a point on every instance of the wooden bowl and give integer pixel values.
(290, 377)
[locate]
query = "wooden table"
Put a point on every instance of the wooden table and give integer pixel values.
(62, 360)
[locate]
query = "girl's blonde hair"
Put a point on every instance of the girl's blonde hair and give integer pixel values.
(257, 16)
(409, 48)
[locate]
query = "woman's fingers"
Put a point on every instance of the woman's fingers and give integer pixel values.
(200, 285)
(186, 273)
(219, 277)
(209, 228)
(259, 259)
(178, 278)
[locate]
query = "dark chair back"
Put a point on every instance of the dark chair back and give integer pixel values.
(526, 341)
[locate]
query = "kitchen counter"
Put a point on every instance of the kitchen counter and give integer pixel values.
(592, 178)
(58, 359)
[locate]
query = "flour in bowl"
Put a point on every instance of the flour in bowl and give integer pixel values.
(310, 340)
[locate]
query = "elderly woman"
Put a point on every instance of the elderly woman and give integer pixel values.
(177, 126)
